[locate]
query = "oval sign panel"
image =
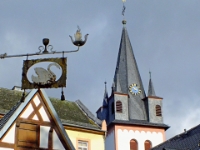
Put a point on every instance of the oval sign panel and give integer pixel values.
(44, 73)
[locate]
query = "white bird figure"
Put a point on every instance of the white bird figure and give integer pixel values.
(44, 76)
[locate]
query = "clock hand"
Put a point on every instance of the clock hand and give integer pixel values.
(134, 88)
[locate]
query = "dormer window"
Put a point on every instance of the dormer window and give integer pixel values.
(158, 110)
(119, 106)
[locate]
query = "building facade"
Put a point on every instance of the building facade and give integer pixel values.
(134, 120)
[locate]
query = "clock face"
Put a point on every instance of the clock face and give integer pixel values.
(134, 89)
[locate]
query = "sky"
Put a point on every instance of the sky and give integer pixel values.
(165, 37)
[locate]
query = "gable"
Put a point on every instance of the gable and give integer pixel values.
(35, 124)
(68, 111)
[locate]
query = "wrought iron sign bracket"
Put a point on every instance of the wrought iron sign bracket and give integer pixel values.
(44, 49)
(45, 77)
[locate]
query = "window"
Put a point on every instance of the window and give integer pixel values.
(82, 145)
(158, 110)
(147, 145)
(113, 108)
(27, 135)
(133, 145)
(119, 106)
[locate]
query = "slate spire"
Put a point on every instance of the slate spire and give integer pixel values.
(151, 91)
(126, 74)
(105, 97)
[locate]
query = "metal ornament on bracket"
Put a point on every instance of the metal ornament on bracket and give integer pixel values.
(44, 50)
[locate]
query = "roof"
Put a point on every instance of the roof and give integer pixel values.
(185, 141)
(151, 91)
(69, 112)
(140, 123)
(126, 74)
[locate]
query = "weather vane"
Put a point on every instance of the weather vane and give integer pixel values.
(45, 77)
(124, 8)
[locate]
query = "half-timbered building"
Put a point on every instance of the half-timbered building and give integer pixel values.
(41, 122)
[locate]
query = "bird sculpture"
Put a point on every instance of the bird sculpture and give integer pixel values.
(44, 76)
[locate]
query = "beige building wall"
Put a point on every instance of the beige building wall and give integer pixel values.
(95, 141)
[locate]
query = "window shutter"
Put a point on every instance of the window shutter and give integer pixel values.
(133, 145)
(27, 135)
(147, 145)
(158, 110)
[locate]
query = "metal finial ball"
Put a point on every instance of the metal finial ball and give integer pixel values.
(45, 41)
(123, 21)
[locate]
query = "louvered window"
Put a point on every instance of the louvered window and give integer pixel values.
(158, 110)
(147, 145)
(119, 106)
(133, 145)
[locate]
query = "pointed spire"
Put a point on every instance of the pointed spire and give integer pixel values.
(151, 91)
(127, 74)
(127, 71)
(105, 97)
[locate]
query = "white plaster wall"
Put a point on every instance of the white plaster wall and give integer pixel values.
(44, 134)
(10, 136)
(36, 100)
(44, 114)
(27, 112)
(110, 141)
(35, 117)
(1, 148)
(124, 137)
(56, 142)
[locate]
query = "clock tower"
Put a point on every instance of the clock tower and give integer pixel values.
(134, 120)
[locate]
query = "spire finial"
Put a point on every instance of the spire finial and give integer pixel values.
(105, 87)
(123, 12)
(150, 74)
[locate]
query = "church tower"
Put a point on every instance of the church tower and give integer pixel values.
(134, 120)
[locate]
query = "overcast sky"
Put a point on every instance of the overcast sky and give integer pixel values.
(165, 36)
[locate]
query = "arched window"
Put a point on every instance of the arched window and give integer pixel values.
(119, 106)
(112, 108)
(158, 110)
(147, 145)
(133, 145)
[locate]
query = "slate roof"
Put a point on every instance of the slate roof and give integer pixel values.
(126, 74)
(140, 123)
(8, 115)
(69, 112)
(185, 141)
(151, 91)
